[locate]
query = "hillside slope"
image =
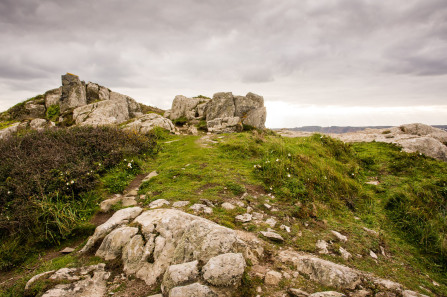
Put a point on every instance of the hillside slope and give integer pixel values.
(387, 209)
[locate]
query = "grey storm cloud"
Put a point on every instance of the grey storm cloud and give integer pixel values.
(325, 52)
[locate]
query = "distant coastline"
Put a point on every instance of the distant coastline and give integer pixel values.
(345, 129)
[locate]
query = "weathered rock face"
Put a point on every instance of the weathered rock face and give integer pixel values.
(96, 92)
(52, 97)
(221, 106)
(224, 113)
(102, 113)
(185, 107)
(86, 281)
(147, 122)
(35, 109)
(73, 92)
(225, 125)
(133, 108)
(170, 244)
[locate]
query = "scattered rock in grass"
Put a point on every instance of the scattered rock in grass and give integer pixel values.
(240, 203)
(408, 293)
(129, 201)
(249, 209)
(372, 232)
(284, 227)
(207, 202)
(107, 204)
(268, 206)
(258, 216)
(324, 272)
(246, 217)
(297, 293)
(382, 251)
(321, 246)
(344, 253)
(38, 277)
(133, 192)
(340, 236)
(272, 236)
(373, 255)
(180, 203)
(228, 206)
(327, 294)
(149, 176)
(201, 208)
(361, 293)
(271, 222)
(67, 250)
(158, 203)
(192, 290)
(272, 278)
(373, 182)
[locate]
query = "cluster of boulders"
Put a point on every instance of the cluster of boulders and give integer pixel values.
(223, 113)
(80, 103)
(190, 255)
(412, 138)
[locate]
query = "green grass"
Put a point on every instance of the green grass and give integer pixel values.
(315, 184)
(53, 112)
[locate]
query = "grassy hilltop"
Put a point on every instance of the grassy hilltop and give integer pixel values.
(52, 181)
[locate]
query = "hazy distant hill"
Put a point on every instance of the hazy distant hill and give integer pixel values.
(345, 129)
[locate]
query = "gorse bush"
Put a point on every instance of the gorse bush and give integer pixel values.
(45, 178)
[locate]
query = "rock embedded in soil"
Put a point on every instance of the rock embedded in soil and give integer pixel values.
(272, 235)
(272, 278)
(244, 218)
(224, 270)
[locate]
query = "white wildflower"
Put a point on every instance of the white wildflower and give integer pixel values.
(277, 160)
(288, 175)
(129, 165)
(289, 155)
(72, 182)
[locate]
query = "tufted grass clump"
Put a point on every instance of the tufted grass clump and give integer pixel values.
(48, 181)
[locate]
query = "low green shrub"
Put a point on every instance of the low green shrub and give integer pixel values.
(53, 112)
(45, 177)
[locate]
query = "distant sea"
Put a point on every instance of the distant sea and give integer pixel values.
(345, 129)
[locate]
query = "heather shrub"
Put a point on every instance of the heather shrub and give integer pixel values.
(47, 178)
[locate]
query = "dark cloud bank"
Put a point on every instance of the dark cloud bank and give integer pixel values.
(324, 53)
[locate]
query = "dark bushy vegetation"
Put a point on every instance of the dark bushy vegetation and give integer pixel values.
(47, 178)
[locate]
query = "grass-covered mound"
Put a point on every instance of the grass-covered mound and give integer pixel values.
(47, 180)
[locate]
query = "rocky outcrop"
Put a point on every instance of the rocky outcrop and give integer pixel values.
(75, 282)
(169, 244)
(341, 277)
(189, 108)
(413, 138)
(102, 113)
(95, 92)
(52, 97)
(73, 92)
(224, 113)
(224, 125)
(147, 122)
(35, 109)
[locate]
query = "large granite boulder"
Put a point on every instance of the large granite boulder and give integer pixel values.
(184, 107)
(73, 92)
(168, 245)
(147, 122)
(52, 97)
(255, 118)
(106, 112)
(221, 106)
(225, 125)
(96, 93)
(244, 104)
(35, 109)
(133, 108)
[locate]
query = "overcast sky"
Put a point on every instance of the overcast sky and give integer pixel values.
(316, 62)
